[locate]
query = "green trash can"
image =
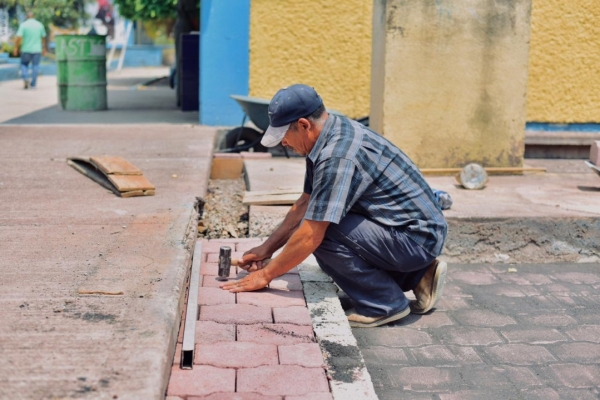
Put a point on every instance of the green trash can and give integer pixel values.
(81, 72)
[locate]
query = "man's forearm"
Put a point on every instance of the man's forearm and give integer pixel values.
(302, 243)
(290, 224)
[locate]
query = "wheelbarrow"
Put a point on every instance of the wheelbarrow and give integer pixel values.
(244, 138)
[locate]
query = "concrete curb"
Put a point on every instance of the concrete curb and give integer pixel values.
(349, 378)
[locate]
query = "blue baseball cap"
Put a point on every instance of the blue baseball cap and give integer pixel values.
(289, 105)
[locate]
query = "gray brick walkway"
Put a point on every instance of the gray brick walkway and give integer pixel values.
(529, 334)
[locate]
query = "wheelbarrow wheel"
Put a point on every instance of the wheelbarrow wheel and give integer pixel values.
(240, 138)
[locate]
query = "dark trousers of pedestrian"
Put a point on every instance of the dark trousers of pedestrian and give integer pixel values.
(372, 263)
(34, 59)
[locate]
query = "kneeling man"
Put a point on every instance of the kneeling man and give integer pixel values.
(366, 213)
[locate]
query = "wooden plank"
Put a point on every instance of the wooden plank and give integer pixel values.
(115, 165)
(91, 171)
(489, 170)
(271, 198)
(127, 183)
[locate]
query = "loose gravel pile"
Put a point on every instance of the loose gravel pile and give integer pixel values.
(224, 215)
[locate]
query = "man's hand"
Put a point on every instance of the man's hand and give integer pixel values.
(255, 259)
(16, 52)
(254, 281)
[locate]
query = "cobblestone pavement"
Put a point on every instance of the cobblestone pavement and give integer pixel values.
(533, 333)
(254, 345)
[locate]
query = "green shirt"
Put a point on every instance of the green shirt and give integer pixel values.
(32, 32)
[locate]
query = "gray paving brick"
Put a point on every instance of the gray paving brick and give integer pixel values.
(519, 354)
(483, 318)
(586, 333)
(392, 337)
(532, 334)
(579, 352)
(469, 336)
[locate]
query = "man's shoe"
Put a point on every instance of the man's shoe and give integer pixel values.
(430, 289)
(360, 321)
(25, 84)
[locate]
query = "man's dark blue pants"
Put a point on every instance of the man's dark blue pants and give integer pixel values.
(372, 263)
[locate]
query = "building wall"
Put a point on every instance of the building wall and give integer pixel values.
(564, 63)
(454, 80)
(322, 43)
(335, 56)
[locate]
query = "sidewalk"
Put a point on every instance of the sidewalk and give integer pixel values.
(61, 233)
(127, 102)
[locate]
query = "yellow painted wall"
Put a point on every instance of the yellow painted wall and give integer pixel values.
(322, 43)
(564, 63)
(334, 54)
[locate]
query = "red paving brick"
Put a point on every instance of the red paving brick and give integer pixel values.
(236, 354)
(212, 269)
(236, 314)
(278, 334)
(213, 246)
(311, 396)
(243, 247)
(212, 332)
(286, 380)
(236, 396)
(272, 298)
(200, 381)
(209, 296)
(303, 354)
(292, 315)
(213, 282)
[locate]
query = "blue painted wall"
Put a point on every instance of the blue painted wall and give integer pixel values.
(224, 59)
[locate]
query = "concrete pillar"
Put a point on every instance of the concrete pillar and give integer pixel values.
(224, 59)
(449, 79)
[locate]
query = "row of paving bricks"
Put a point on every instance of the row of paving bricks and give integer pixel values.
(253, 345)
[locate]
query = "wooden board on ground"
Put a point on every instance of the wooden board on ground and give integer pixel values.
(115, 165)
(489, 170)
(127, 182)
(278, 197)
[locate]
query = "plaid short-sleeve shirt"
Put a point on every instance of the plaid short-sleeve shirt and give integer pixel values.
(353, 169)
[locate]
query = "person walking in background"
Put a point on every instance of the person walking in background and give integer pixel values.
(31, 41)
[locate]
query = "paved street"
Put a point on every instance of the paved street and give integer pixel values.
(496, 334)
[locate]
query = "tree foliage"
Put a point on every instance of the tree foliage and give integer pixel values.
(61, 13)
(147, 9)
